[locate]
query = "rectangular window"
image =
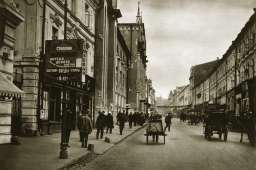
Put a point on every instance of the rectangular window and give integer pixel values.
(73, 6)
(87, 15)
(55, 33)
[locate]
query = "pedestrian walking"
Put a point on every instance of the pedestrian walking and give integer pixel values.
(135, 119)
(168, 122)
(130, 119)
(69, 125)
(105, 114)
(85, 128)
(109, 123)
(100, 124)
(121, 121)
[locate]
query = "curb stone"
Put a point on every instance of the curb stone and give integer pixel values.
(83, 160)
(121, 140)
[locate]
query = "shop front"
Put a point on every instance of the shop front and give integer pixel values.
(66, 85)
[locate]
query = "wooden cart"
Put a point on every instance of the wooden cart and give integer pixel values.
(155, 129)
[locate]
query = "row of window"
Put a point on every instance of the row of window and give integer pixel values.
(87, 16)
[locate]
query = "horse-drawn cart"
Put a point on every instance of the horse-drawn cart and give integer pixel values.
(155, 129)
(216, 122)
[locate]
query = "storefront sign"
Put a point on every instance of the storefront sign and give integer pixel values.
(65, 59)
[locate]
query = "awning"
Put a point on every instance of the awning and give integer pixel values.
(8, 89)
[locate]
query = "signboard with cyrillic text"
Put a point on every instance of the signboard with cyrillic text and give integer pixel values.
(65, 60)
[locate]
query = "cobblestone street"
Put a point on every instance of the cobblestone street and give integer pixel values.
(185, 149)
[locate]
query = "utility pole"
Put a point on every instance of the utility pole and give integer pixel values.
(41, 72)
(64, 144)
(65, 19)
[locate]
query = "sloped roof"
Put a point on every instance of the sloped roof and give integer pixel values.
(200, 72)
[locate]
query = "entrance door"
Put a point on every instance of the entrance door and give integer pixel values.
(55, 105)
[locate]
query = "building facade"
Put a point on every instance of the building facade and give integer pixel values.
(151, 98)
(180, 98)
(44, 21)
(106, 35)
(134, 35)
(97, 67)
(232, 81)
(10, 18)
(117, 81)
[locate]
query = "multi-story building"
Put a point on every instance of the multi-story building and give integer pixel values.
(134, 35)
(201, 90)
(180, 98)
(44, 21)
(232, 82)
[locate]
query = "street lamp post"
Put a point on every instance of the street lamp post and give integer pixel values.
(64, 144)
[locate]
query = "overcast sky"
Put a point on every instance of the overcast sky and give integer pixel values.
(182, 33)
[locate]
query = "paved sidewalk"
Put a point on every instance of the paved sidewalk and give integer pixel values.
(41, 153)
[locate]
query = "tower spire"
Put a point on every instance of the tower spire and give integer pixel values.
(139, 18)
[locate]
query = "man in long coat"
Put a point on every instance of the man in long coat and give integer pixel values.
(85, 128)
(100, 124)
(69, 121)
(121, 121)
(168, 122)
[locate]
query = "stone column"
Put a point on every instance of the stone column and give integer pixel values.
(29, 102)
(5, 120)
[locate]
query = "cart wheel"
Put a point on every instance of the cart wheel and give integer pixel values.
(226, 136)
(205, 135)
(209, 138)
(251, 139)
(220, 134)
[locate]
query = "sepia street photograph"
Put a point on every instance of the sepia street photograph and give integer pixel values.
(127, 84)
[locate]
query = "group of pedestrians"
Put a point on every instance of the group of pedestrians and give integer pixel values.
(137, 118)
(104, 122)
